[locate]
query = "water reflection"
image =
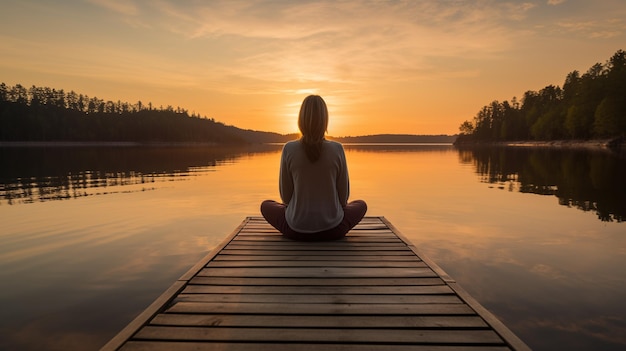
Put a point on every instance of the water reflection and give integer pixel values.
(582, 179)
(589, 180)
(41, 174)
(81, 270)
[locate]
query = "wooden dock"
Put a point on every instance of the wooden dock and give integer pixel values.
(370, 291)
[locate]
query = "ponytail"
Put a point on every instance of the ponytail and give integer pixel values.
(313, 123)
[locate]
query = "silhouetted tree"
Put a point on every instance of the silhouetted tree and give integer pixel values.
(46, 114)
(589, 106)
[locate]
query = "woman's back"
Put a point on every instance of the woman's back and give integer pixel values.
(315, 192)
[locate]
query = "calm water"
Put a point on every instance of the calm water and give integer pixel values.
(90, 236)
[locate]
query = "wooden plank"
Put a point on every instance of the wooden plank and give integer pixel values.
(313, 247)
(353, 236)
(347, 242)
(281, 263)
(314, 298)
(321, 290)
(337, 321)
(248, 232)
(381, 238)
(355, 231)
(317, 335)
(317, 272)
(162, 345)
(321, 309)
(278, 282)
(380, 226)
(335, 258)
(408, 253)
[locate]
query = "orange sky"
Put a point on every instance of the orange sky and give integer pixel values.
(419, 67)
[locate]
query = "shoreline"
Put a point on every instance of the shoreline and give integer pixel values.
(593, 144)
(102, 144)
(614, 144)
(19, 144)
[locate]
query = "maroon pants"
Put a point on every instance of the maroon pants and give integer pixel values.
(274, 213)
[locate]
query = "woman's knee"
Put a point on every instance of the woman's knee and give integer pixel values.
(358, 206)
(264, 203)
(267, 206)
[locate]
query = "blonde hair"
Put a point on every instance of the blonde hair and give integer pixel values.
(313, 123)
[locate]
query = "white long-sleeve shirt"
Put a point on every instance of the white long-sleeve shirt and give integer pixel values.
(314, 192)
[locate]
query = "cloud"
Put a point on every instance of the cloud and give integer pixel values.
(605, 34)
(604, 29)
(345, 41)
(555, 2)
(519, 11)
(123, 7)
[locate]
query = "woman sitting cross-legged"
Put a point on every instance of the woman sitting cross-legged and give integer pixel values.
(313, 183)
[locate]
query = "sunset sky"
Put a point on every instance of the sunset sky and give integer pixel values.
(419, 67)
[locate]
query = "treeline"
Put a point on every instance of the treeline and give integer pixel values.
(588, 106)
(47, 114)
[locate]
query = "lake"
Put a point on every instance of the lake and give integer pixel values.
(92, 235)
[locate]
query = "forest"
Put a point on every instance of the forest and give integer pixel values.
(588, 106)
(42, 114)
(47, 114)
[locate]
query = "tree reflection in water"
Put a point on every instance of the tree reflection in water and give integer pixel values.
(589, 180)
(35, 174)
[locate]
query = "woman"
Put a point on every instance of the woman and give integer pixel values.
(313, 183)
